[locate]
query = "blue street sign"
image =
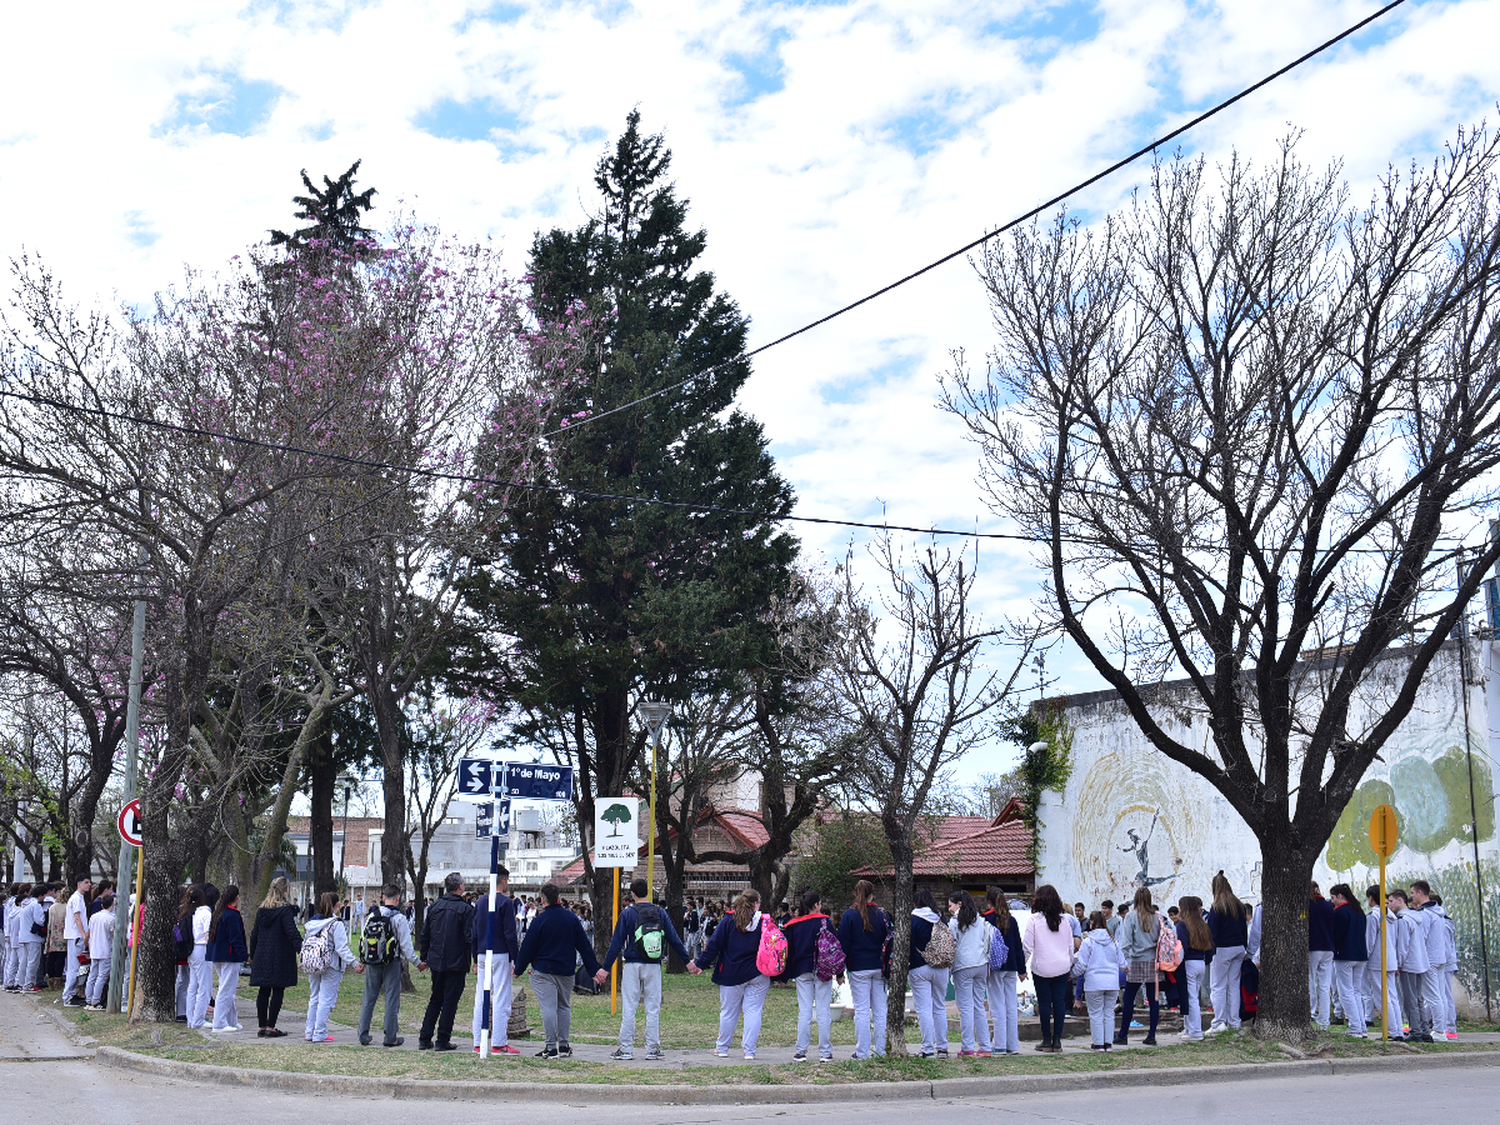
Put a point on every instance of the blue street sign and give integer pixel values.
(487, 823)
(537, 782)
(474, 779)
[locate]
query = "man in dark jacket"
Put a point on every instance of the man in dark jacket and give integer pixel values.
(506, 950)
(1319, 954)
(640, 978)
(554, 942)
(447, 938)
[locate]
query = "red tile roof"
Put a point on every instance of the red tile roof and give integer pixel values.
(975, 845)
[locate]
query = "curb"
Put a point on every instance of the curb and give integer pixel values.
(939, 1089)
(79, 1039)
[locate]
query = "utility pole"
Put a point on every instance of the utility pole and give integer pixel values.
(655, 715)
(123, 913)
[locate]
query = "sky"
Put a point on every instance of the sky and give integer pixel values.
(827, 148)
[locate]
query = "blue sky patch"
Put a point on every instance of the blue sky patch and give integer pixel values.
(760, 73)
(138, 229)
(231, 105)
(465, 121)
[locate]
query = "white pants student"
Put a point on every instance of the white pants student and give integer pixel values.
(1450, 1023)
(31, 964)
(97, 989)
(1434, 981)
(929, 993)
(71, 967)
(1226, 984)
(322, 992)
(13, 965)
(500, 1001)
(226, 1006)
(1349, 978)
(749, 998)
(968, 992)
(184, 977)
(1101, 1005)
(640, 982)
(1392, 996)
(867, 987)
(814, 997)
(200, 986)
(1000, 997)
(1320, 984)
(1192, 1020)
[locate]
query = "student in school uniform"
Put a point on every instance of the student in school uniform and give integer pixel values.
(1098, 970)
(101, 937)
(1001, 983)
(227, 952)
(1435, 937)
(1378, 930)
(1349, 956)
(323, 985)
(863, 929)
(971, 963)
(1448, 967)
(814, 994)
(1411, 947)
(1197, 954)
(1231, 934)
(742, 986)
(929, 983)
(31, 917)
(1137, 937)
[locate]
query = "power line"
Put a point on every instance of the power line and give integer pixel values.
(980, 241)
(530, 486)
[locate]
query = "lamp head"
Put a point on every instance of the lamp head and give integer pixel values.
(654, 715)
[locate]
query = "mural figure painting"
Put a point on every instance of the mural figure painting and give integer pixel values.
(1138, 848)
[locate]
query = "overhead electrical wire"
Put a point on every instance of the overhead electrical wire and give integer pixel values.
(982, 239)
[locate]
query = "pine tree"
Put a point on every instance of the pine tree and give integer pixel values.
(608, 600)
(334, 214)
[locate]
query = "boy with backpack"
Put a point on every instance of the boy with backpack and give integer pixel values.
(643, 934)
(384, 942)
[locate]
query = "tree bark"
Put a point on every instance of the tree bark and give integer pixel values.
(902, 893)
(322, 773)
(1284, 1002)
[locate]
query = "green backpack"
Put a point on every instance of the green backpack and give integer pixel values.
(650, 937)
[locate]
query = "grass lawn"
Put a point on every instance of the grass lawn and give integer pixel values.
(689, 1020)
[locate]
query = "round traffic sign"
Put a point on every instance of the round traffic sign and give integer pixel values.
(1383, 830)
(129, 823)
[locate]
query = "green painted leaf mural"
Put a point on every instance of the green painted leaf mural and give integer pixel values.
(1349, 846)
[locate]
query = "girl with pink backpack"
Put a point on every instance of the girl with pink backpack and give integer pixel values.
(743, 946)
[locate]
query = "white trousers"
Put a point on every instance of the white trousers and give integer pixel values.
(226, 1006)
(70, 969)
(1000, 996)
(640, 982)
(31, 964)
(929, 992)
(322, 992)
(1348, 978)
(748, 998)
(1192, 1019)
(200, 986)
(867, 987)
(814, 1000)
(1101, 1005)
(968, 991)
(1392, 996)
(13, 964)
(1226, 985)
(97, 990)
(1320, 984)
(1434, 983)
(500, 1000)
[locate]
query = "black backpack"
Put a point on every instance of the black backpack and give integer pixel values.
(377, 942)
(182, 938)
(650, 937)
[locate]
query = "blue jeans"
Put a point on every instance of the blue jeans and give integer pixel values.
(1052, 1007)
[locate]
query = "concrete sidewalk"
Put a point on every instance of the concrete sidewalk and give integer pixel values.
(30, 1034)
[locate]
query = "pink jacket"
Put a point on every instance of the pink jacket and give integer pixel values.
(1049, 952)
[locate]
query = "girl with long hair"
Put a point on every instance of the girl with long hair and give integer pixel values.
(274, 942)
(1349, 956)
(742, 986)
(971, 963)
(1197, 952)
(1001, 984)
(323, 986)
(814, 995)
(1231, 933)
(863, 930)
(200, 973)
(1048, 942)
(929, 984)
(1137, 938)
(1098, 969)
(226, 953)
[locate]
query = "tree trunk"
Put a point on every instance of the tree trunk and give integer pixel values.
(393, 839)
(1284, 1010)
(322, 775)
(902, 892)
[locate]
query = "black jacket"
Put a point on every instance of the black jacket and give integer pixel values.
(274, 945)
(448, 935)
(554, 942)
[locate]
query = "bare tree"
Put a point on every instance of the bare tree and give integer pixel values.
(1245, 422)
(917, 689)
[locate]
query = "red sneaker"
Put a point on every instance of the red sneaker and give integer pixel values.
(505, 1050)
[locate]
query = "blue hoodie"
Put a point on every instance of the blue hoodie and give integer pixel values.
(862, 947)
(732, 952)
(1319, 925)
(1348, 934)
(506, 940)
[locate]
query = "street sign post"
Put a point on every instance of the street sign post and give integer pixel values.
(1383, 840)
(616, 845)
(129, 823)
(475, 779)
(536, 782)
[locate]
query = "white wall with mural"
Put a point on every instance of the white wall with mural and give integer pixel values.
(1131, 817)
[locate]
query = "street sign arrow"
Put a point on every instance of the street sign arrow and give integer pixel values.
(474, 779)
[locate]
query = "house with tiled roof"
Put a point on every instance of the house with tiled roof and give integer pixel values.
(972, 853)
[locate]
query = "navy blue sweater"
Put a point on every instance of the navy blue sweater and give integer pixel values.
(506, 939)
(1016, 962)
(731, 952)
(1319, 925)
(624, 938)
(921, 934)
(552, 940)
(802, 944)
(1228, 930)
(862, 947)
(1349, 934)
(1188, 952)
(229, 939)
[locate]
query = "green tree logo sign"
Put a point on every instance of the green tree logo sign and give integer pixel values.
(616, 815)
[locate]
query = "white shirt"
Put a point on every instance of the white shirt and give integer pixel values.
(78, 906)
(101, 935)
(202, 918)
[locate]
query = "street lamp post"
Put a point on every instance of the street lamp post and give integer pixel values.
(655, 714)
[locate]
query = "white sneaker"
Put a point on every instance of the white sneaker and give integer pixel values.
(1216, 1029)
